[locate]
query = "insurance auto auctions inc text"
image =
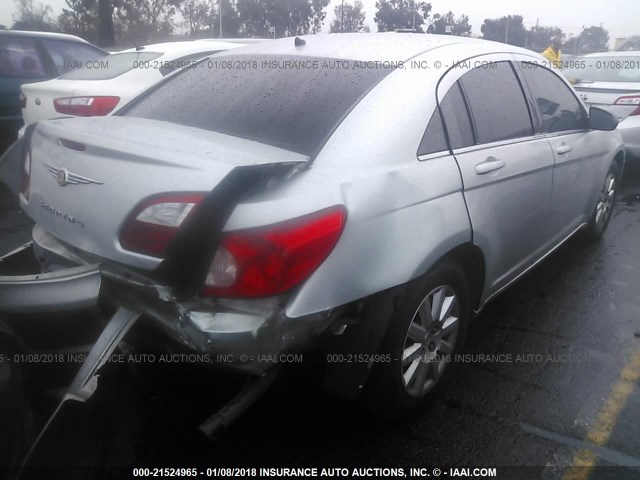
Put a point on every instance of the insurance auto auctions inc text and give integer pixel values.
(358, 472)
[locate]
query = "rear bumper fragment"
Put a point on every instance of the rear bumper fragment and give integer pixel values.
(72, 289)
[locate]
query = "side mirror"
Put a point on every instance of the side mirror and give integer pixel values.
(601, 119)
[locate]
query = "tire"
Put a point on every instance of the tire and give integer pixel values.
(399, 388)
(604, 207)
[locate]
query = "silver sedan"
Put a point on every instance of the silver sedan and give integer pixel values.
(364, 194)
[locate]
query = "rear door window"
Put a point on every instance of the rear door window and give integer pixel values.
(434, 139)
(20, 58)
(560, 109)
(497, 103)
(457, 123)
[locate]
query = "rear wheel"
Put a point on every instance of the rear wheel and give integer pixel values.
(427, 329)
(606, 201)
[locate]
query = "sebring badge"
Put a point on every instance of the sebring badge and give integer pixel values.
(65, 177)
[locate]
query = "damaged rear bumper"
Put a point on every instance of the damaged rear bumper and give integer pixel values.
(238, 335)
(72, 289)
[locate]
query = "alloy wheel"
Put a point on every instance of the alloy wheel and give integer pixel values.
(604, 208)
(430, 339)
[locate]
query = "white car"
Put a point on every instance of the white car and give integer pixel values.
(612, 80)
(100, 87)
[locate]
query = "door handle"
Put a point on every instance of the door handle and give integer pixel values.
(489, 165)
(562, 149)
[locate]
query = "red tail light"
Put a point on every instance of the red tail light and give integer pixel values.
(86, 106)
(631, 100)
(267, 261)
(26, 174)
(155, 222)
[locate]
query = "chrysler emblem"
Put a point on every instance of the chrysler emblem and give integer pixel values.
(65, 177)
(62, 177)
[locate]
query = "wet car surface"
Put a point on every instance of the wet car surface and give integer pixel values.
(550, 376)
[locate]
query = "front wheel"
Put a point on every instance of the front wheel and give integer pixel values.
(606, 201)
(426, 330)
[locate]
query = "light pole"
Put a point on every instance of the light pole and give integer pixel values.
(220, 13)
(342, 17)
(506, 33)
(414, 15)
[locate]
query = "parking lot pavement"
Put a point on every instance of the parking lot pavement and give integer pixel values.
(551, 378)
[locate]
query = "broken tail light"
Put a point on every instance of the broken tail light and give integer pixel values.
(155, 222)
(86, 106)
(270, 260)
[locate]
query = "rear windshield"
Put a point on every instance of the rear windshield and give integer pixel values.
(605, 69)
(289, 102)
(112, 66)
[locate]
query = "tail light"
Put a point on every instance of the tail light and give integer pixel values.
(628, 101)
(26, 174)
(86, 106)
(23, 100)
(267, 261)
(155, 222)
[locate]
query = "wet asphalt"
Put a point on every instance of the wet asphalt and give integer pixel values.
(548, 379)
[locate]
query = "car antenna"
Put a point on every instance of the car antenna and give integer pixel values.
(299, 42)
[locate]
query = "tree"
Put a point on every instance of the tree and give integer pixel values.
(202, 17)
(142, 21)
(196, 15)
(231, 24)
(352, 16)
(106, 32)
(509, 29)
(571, 44)
(80, 18)
(593, 39)
(590, 40)
(287, 17)
(460, 27)
(401, 14)
(33, 17)
(539, 38)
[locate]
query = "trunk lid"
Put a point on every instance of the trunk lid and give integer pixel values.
(604, 94)
(40, 96)
(120, 162)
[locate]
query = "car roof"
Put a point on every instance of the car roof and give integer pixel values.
(621, 53)
(167, 48)
(234, 40)
(389, 46)
(43, 35)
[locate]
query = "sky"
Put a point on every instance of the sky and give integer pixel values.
(620, 17)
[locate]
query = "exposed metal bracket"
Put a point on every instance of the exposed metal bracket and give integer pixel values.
(216, 424)
(86, 380)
